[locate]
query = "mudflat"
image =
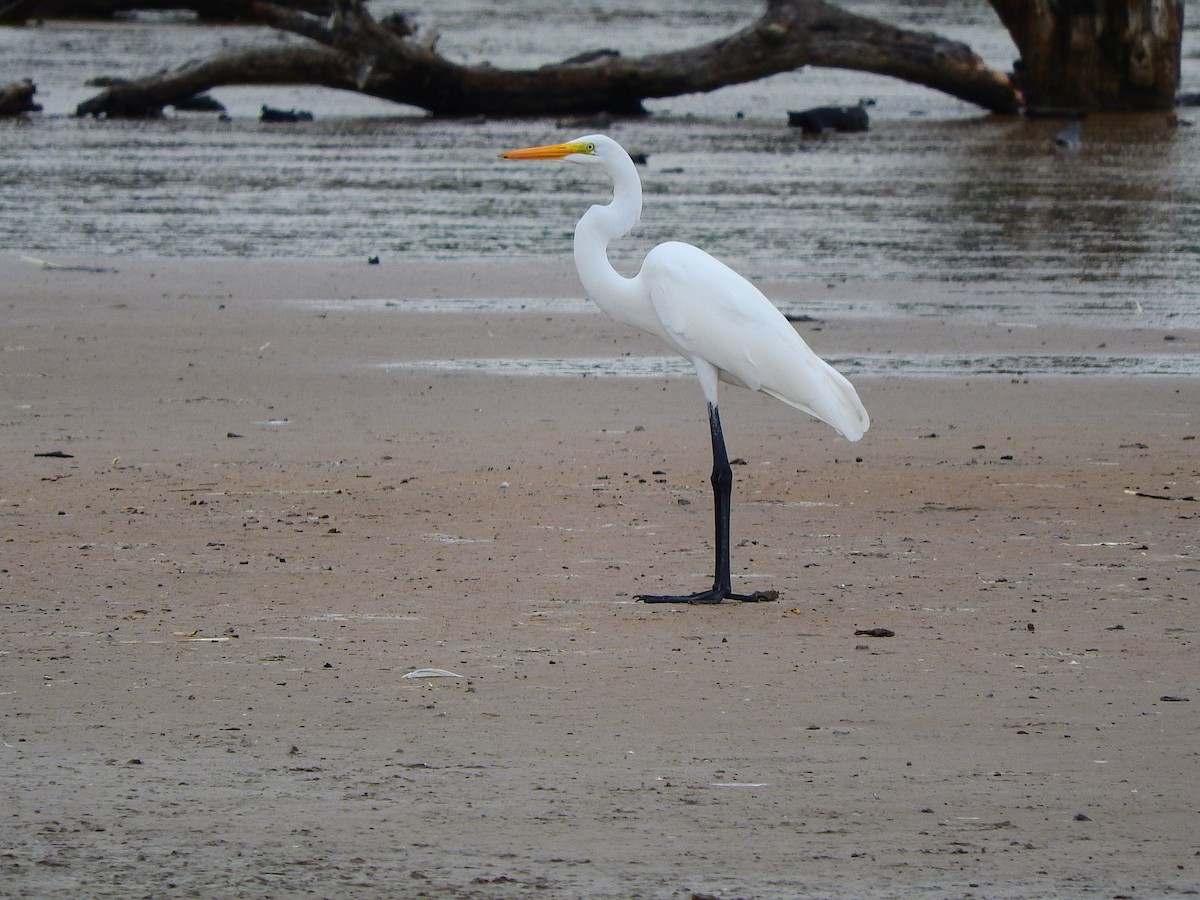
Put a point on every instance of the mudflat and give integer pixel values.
(242, 519)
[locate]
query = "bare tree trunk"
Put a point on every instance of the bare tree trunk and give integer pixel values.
(17, 98)
(1081, 56)
(386, 61)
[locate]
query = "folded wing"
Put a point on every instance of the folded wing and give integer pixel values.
(710, 312)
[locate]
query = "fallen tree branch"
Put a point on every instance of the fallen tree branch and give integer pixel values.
(146, 97)
(791, 34)
(389, 61)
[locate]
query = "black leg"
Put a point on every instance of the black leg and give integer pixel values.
(722, 485)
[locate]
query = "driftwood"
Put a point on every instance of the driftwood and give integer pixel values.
(1113, 55)
(847, 119)
(350, 50)
(270, 114)
(17, 98)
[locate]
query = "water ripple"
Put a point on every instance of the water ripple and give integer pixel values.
(902, 364)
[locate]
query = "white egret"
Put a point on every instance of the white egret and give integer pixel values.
(710, 315)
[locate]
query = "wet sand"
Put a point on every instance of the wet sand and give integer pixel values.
(254, 528)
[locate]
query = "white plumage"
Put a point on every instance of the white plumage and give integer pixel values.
(707, 313)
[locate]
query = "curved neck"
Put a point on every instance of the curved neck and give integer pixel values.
(599, 226)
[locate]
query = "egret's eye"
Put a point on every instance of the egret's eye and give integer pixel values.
(591, 148)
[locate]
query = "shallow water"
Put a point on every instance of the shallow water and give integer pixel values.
(1072, 305)
(936, 191)
(908, 364)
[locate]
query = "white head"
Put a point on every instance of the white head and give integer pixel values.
(599, 223)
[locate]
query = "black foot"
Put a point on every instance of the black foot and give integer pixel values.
(716, 595)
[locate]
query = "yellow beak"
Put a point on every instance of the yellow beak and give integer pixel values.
(550, 151)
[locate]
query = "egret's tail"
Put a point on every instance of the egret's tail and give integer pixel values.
(835, 403)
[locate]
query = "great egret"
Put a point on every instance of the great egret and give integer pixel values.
(710, 315)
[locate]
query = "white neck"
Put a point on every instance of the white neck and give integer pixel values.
(611, 291)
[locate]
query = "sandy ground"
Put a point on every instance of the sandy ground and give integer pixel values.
(210, 606)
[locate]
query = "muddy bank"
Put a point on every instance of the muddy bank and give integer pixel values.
(254, 526)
